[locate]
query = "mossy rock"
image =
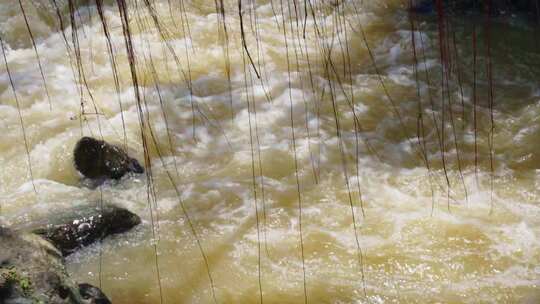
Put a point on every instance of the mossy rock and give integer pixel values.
(32, 272)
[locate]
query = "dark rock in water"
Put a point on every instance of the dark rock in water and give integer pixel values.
(84, 225)
(423, 6)
(32, 271)
(93, 294)
(97, 159)
(459, 6)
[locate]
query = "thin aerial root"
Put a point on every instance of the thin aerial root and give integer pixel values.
(444, 87)
(243, 35)
(26, 145)
(421, 133)
(451, 112)
(123, 10)
(220, 10)
(489, 73)
(296, 174)
(345, 173)
(112, 62)
(37, 54)
(475, 114)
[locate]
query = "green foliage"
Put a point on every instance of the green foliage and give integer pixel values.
(12, 276)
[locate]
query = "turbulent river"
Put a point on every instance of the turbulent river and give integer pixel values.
(319, 151)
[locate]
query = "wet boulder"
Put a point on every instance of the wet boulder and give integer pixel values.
(32, 271)
(83, 225)
(97, 159)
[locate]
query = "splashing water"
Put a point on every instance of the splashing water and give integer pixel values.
(296, 151)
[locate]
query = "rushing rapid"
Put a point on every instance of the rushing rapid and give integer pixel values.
(295, 151)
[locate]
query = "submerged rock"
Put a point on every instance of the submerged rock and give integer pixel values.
(83, 225)
(93, 294)
(97, 159)
(32, 271)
